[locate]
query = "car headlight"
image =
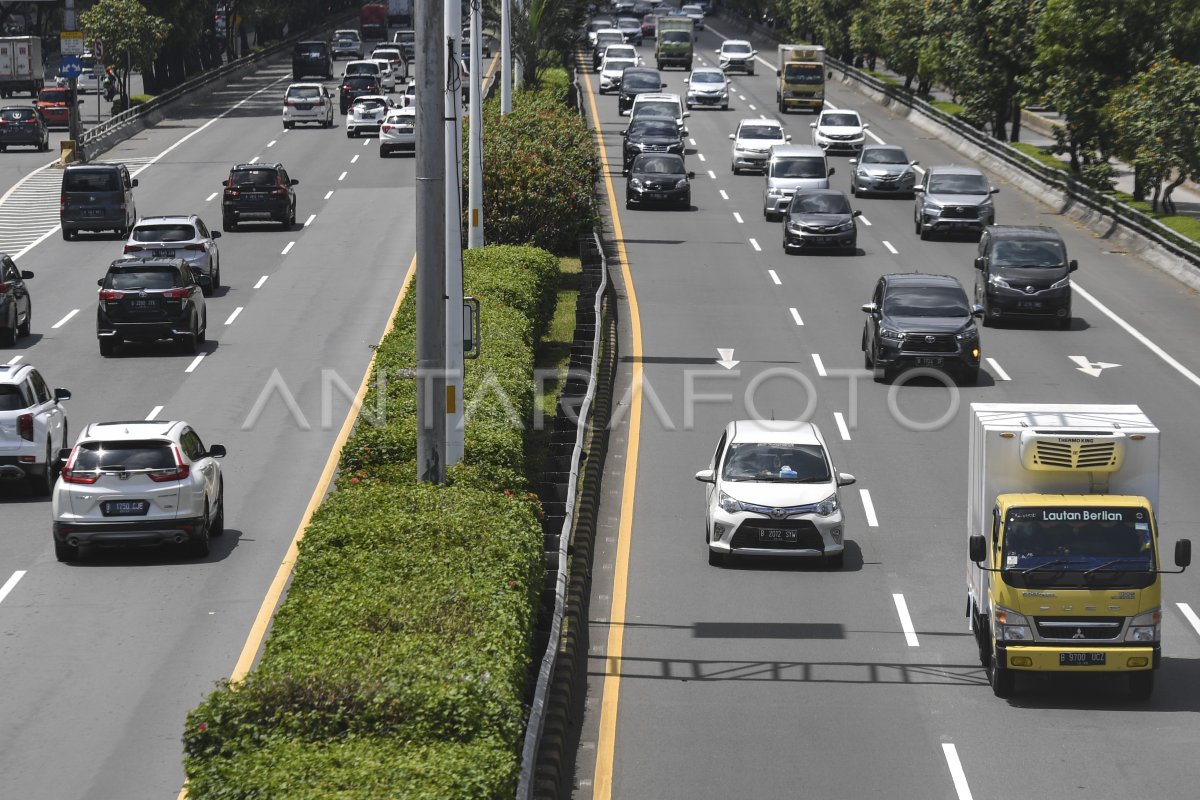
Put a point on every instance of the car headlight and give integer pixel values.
(1062, 284)
(828, 507)
(682, 183)
(967, 335)
(635, 183)
(1010, 626)
(891, 333)
(998, 282)
(932, 209)
(795, 227)
(845, 226)
(729, 505)
(1145, 626)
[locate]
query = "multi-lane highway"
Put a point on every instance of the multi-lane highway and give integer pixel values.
(103, 658)
(781, 680)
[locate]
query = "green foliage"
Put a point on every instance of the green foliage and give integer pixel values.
(131, 35)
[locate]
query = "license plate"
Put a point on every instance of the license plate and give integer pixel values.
(1029, 304)
(304, 106)
(124, 508)
(656, 195)
(1081, 659)
(776, 535)
(93, 212)
(165, 253)
(928, 361)
(143, 304)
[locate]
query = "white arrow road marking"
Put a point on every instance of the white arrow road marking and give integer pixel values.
(1089, 367)
(726, 360)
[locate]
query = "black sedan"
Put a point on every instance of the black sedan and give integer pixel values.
(659, 178)
(650, 135)
(820, 218)
(23, 125)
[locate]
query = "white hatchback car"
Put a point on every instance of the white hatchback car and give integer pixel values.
(387, 75)
(752, 143)
(398, 132)
(33, 427)
(138, 484)
(839, 131)
(771, 490)
(307, 102)
(610, 72)
(179, 236)
(367, 113)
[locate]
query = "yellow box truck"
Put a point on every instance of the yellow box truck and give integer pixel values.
(800, 70)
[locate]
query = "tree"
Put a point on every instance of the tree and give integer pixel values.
(544, 33)
(132, 36)
(902, 27)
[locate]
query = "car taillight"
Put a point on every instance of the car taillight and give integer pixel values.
(3, 288)
(347, 88)
(25, 427)
(387, 128)
(133, 248)
(199, 248)
(69, 475)
(111, 294)
(177, 473)
(62, 203)
(175, 294)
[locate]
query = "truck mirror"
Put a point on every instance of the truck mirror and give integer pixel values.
(978, 547)
(1074, 265)
(980, 262)
(832, 170)
(1183, 553)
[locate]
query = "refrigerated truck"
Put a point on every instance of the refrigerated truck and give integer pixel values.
(21, 67)
(800, 77)
(1063, 539)
(674, 43)
(400, 13)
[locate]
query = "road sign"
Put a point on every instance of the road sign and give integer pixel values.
(70, 67)
(70, 43)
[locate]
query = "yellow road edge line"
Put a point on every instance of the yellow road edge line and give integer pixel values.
(258, 631)
(606, 738)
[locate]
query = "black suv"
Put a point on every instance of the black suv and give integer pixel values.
(635, 81)
(1023, 271)
(258, 191)
(916, 320)
(650, 135)
(354, 87)
(23, 125)
(147, 299)
(16, 310)
(311, 58)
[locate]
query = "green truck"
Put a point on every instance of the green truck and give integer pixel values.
(675, 42)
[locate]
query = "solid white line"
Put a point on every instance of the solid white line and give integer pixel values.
(870, 133)
(840, 419)
(329, 194)
(14, 360)
(1135, 333)
(154, 412)
(354, 159)
(774, 277)
(234, 315)
(820, 364)
(891, 249)
(872, 520)
(254, 160)
(65, 319)
(1191, 616)
(11, 583)
(287, 248)
(195, 362)
(738, 217)
(796, 316)
(310, 219)
(956, 771)
(272, 143)
(754, 244)
(342, 177)
(906, 623)
(999, 370)
(261, 281)
(723, 195)
(713, 175)
(210, 197)
(865, 221)
(700, 156)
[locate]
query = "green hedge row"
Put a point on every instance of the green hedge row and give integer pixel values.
(397, 664)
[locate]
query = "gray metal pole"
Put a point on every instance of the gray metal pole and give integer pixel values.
(430, 202)
(455, 442)
(475, 132)
(506, 56)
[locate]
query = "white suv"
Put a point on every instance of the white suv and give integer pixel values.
(307, 102)
(752, 143)
(660, 104)
(139, 483)
(33, 427)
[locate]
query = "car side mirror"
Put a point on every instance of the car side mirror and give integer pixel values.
(1073, 265)
(79, 102)
(295, 181)
(753, 52)
(787, 138)
(61, 394)
(812, 124)
(625, 133)
(778, 73)
(732, 136)
(26, 274)
(710, 476)
(980, 262)
(691, 175)
(832, 170)
(216, 451)
(202, 281)
(866, 125)
(913, 163)
(853, 162)
(687, 113)
(993, 190)
(1183, 553)
(977, 547)
(100, 282)
(869, 308)
(845, 479)
(976, 310)
(918, 188)
(856, 213)
(717, 51)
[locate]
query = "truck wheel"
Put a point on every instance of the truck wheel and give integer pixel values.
(1141, 684)
(1002, 679)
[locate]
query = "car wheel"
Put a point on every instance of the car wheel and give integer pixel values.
(68, 234)
(291, 220)
(734, 168)
(836, 561)
(217, 526)
(42, 485)
(1064, 324)
(216, 278)
(228, 224)
(202, 334)
(879, 374)
(200, 547)
(8, 336)
(350, 133)
(108, 347)
(189, 343)
(923, 231)
(287, 126)
(1002, 679)
(715, 559)
(853, 190)
(65, 552)
(750, 73)
(23, 327)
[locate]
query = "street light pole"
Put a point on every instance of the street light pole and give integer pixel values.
(455, 442)
(506, 56)
(475, 132)
(74, 123)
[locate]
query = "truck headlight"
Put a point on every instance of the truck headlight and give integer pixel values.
(729, 505)
(1011, 626)
(1145, 626)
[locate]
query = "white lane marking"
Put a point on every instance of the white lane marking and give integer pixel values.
(742, 97)
(871, 133)
(999, 370)
(354, 159)
(700, 156)
(234, 315)
(865, 221)
(65, 319)
(254, 160)
(906, 623)
(723, 195)
(287, 249)
(310, 219)
(754, 244)
(329, 194)
(14, 360)
(830, 106)
(956, 771)
(342, 177)
(692, 142)
(195, 362)
(840, 419)
(891, 249)
(154, 412)
(738, 217)
(1135, 333)
(209, 199)
(819, 364)
(774, 277)
(713, 175)
(272, 143)
(366, 142)
(11, 584)
(796, 316)
(752, 107)
(1191, 616)
(1089, 367)
(869, 508)
(261, 281)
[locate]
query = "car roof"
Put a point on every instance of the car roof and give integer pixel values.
(159, 218)
(650, 97)
(14, 373)
(955, 169)
(781, 431)
(647, 70)
(1024, 232)
(717, 70)
(920, 279)
(129, 430)
(825, 111)
(307, 84)
(796, 151)
(760, 121)
(257, 165)
(813, 191)
(737, 41)
(130, 262)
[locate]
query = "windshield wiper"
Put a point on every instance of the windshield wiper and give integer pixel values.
(1088, 572)
(1056, 562)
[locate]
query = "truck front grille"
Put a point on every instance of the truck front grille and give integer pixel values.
(1079, 629)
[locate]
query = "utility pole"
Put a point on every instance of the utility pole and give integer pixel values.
(431, 236)
(475, 131)
(74, 123)
(454, 268)
(506, 56)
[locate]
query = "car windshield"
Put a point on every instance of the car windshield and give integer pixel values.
(402, 120)
(957, 184)
(840, 120)
(628, 23)
(820, 204)
(884, 156)
(53, 96)
(304, 92)
(782, 463)
(618, 64)
(12, 398)
(707, 77)
(253, 177)
(736, 49)
(16, 114)
(926, 301)
(803, 73)
(1028, 254)
(657, 108)
(639, 80)
(362, 69)
(675, 37)
(760, 132)
(164, 233)
(798, 168)
(608, 37)
(142, 279)
(600, 24)
(659, 165)
(83, 180)
(620, 51)
(654, 127)
(127, 456)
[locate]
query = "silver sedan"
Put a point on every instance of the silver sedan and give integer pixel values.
(883, 169)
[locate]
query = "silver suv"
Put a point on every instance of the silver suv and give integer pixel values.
(33, 427)
(136, 484)
(791, 167)
(953, 199)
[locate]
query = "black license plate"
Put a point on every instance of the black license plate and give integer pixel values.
(1081, 659)
(304, 106)
(93, 212)
(143, 304)
(928, 361)
(165, 252)
(776, 535)
(1029, 305)
(124, 508)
